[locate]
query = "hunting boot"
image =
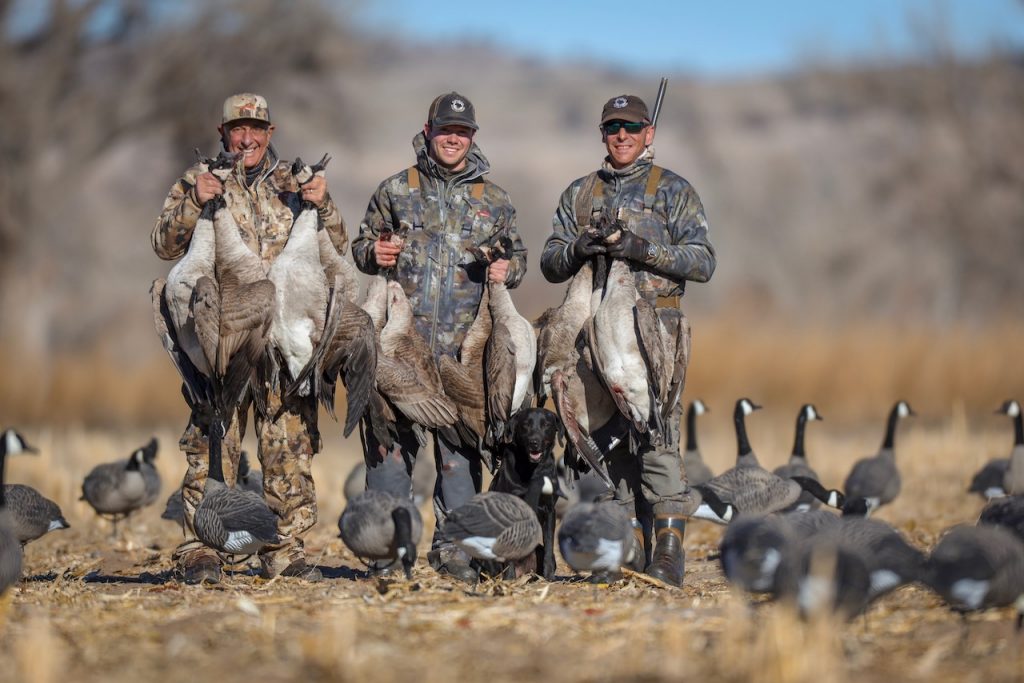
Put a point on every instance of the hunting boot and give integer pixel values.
(449, 559)
(640, 545)
(669, 557)
(300, 569)
(199, 566)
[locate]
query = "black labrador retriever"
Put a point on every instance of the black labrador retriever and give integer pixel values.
(528, 471)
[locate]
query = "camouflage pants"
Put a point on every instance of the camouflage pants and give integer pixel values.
(286, 449)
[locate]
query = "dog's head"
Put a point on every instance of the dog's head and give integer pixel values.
(533, 432)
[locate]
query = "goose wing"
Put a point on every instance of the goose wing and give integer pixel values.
(353, 356)
(500, 378)
(196, 384)
(566, 388)
(401, 382)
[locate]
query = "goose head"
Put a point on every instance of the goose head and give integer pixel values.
(745, 407)
(902, 409)
(698, 407)
(1010, 408)
(303, 172)
(14, 443)
(148, 451)
(809, 412)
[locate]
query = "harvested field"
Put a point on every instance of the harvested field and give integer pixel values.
(97, 608)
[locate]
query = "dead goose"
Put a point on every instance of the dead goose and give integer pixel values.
(697, 472)
(558, 330)
(798, 465)
(988, 482)
(305, 312)
(378, 526)
(231, 519)
(352, 355)
(599, 538)
(116, 489)
(977, 567)
(1007, 512)
(877, 479)
(494, 526)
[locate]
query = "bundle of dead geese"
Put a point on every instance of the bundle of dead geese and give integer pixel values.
(230, 323)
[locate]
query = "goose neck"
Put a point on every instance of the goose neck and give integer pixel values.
(798, 441)
(691, 429)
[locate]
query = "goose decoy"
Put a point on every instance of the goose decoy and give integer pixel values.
(988, 482)
(877, 479)
(383, 528)
(697, 472)
(798, 465)
(977, 567)
(825, 575)
(11, 551)
(1007, 512)
(247, 479)
(1013, 480)
(231, 519)
(494, 526)
(116, 489)
(423, 476)
(756, 491)
(306, 303)
(745, 456)
(30, 515)
(599, 538)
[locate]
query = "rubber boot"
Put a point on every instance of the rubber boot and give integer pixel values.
(639, 561)
(669, 557)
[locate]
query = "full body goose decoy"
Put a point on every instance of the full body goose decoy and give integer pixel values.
(29, 514)
(877, 479)
(1007, 511)
(11, 552)
(246, 478)
(306, 308)
(990, 480)
(751, 489)
(976, 567)
(754, 547)
(599, 538)
(1013, 480)
(117, 489)
(378, 526)
(494, 526)
(230, 519)
(423, 476)
(697, 472)
(798, 465)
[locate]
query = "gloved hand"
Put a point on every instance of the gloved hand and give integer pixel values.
(630, 246)
(587, 245)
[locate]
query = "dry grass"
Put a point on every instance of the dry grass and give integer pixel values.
(97, 607)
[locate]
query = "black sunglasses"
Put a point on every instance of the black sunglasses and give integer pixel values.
(632, 127)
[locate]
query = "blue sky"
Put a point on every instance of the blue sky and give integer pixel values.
(709, 38)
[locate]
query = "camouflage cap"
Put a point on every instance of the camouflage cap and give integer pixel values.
(452, 109)
(245, 105)
(625, 108)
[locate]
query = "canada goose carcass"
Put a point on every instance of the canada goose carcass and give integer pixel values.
(798, 465)
(877, 479)
(406, 372)
(116, 489)
(230, 519)
(305, 314)
(697, 471)
(559, 328)
(380, 527)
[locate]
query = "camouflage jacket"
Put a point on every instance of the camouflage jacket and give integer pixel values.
(264, 212)
(443, 216)
(672, 221)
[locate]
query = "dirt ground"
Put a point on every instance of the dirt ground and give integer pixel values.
(99, 608)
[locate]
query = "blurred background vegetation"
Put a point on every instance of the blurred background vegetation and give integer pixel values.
(868, 217)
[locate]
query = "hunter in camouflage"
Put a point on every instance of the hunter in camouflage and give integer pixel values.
(442, 205)
(666, 245)
(264, 199)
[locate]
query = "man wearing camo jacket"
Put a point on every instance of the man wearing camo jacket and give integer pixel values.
(442, 204)
(264, 199)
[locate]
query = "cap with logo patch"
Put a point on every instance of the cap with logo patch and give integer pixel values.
(245, 106)
(452, 109)
(628, 108)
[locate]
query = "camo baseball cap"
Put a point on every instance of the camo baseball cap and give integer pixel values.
(452, 109)
(245, 105)
(628, 108)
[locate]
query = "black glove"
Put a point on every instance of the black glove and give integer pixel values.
(587, 245)
(631, 246)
